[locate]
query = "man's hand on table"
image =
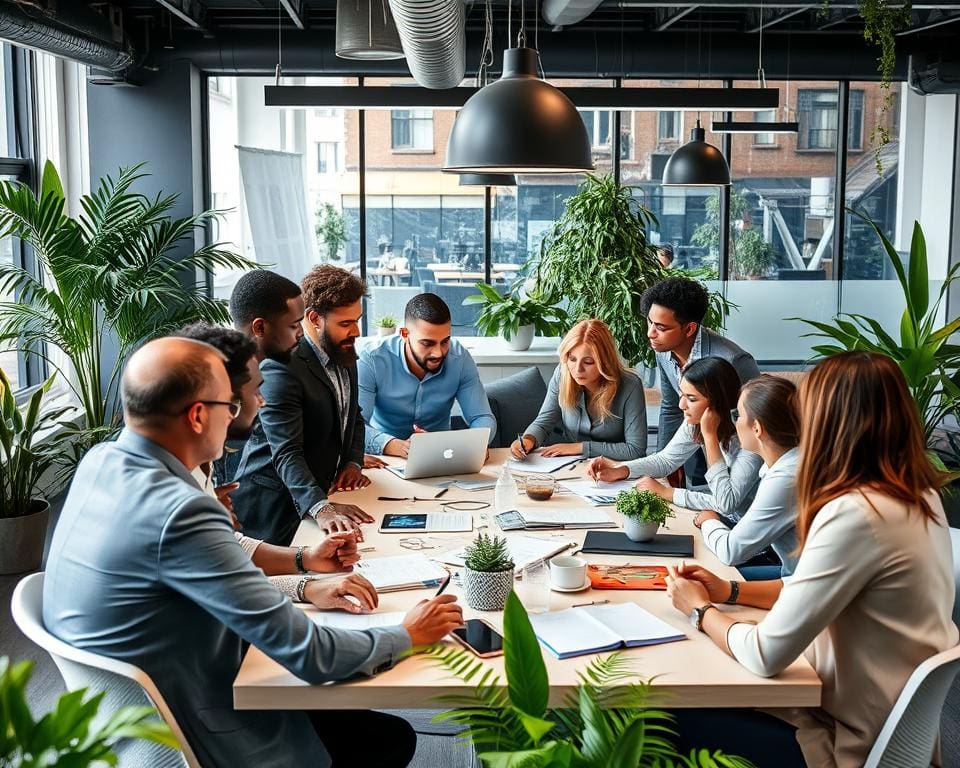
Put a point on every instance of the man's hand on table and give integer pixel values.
(349, 479)
(331, 594)
(373, 462)
(607, 470)
(431, 620)
(665, 492)
(342, 518)
(335, 553)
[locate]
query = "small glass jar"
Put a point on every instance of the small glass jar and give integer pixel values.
(540, 487)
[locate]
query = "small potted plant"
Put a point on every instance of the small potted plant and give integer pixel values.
(24, 514)
(387, 325)
(643, 513)
(518, 317)
(487, 573)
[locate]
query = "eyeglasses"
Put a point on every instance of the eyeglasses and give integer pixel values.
(235, 405)
(415, 543)
(735, 414)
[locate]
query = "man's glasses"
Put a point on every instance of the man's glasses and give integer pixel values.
(235, 405)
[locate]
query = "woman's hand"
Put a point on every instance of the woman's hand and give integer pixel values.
(563, 449)
(606, 470)
(710, 423)
(665, 492)
(334, 553)
(703, 515)
(717, 589)
(519, 451)
(686, 594)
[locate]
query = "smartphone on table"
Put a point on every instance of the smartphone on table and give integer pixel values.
(480, 637)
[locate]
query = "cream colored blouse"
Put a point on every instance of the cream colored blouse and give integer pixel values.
(870, 599)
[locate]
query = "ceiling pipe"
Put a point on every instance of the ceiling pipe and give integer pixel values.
(434, 40)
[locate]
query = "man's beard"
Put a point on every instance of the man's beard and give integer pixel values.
(280, 355)
(342, 355)
(422, 361)
(240, 433)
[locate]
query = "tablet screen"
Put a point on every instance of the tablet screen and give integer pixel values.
(404, 522)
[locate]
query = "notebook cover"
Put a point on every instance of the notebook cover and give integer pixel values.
(627, 576)
(617, 543)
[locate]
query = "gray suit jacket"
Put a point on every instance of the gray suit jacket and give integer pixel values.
(144, 568)
(296, 449)
(712, 344)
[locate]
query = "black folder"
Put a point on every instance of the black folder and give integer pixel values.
(617, 543)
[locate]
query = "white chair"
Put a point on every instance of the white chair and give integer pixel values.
(125, 684)
(908, 738)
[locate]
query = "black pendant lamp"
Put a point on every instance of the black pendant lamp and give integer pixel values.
(518, 124)
(487, 180)
(696, 164)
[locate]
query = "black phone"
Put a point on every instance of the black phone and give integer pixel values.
(479, 637)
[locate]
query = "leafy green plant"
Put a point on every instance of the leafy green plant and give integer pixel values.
(331, 230)
(605, 724)
(22, 460)
(753, 256)
(598, 257)
(644, 506)
(110, 276)
(66, 737)
(929, 363)
(387, 321)
(488, 554)
(507, 314)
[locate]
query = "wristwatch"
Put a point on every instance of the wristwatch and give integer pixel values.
(697, 614)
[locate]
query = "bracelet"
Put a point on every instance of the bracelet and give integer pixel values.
(734, 593)
(301, 590)
(298, 559)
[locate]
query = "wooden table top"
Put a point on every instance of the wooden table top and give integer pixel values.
(689, 673)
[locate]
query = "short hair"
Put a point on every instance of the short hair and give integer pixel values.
(686, 298)
(236, 347)
(261, 293)
(169, 388)
(427, 307)
(665, 251)
(326, 287)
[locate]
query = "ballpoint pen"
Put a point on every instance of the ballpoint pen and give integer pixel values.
(443, 584)
(523, 448)
(592, 602)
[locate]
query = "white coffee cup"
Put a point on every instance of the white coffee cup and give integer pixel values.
(568, 572)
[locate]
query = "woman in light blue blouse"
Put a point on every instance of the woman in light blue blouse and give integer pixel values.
(596, 400)
(708, 392)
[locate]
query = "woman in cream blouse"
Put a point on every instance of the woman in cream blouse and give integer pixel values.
(872, 594)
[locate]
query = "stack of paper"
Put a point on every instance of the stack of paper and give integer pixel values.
(537, 462)
(391, 574)
(343, 620)
(523, 550)
(598, 493)
(541, 517)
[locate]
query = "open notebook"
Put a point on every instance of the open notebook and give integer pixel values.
(598, 628)
(523, 550)
(391, 574)
(598, 493)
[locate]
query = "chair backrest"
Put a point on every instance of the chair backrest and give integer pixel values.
(909, 735)
(515, 402)
(125, 684)
(463, 318)
(955, 546)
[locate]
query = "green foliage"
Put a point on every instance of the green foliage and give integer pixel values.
(387, 321)
(65, 737)
(331, 230)
(929, 363)
(752, 255)
(605, 724)
(644, 506)
(488, 554)
(22, 462)
(597, 256)
(506, 314)
(109, 274)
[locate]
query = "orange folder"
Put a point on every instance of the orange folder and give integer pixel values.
(627, 576)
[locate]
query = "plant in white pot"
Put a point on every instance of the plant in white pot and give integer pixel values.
(387, 325)
(487, 573)
(643, 513)
(24, 514)
(518, 316)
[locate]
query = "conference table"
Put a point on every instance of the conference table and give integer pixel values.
(686, 673)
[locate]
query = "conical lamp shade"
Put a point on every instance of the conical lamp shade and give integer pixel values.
(488, 180)
(366, 31)
(519, 124)
(696, 164)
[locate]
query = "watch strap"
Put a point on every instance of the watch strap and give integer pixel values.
(701, 612)
(298, 559)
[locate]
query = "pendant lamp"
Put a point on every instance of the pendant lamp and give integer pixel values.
(488, 180)
(366, 31)
(518, 124)
(697, 164)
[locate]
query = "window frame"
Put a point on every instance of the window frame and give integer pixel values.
(677, 114)
(410, 121)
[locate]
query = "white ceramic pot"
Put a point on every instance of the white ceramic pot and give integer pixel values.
(381, 331)
(522, 339)
(638, 530)
(22, 539)
(485, 591)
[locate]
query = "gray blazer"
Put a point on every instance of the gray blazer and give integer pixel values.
(712, 344)
(622, 436)
(144, 568)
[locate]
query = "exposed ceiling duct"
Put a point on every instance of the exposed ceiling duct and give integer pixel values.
(72, 32)
(566, 12)
(434, 38)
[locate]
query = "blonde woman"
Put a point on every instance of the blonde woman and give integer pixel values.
(594, 398)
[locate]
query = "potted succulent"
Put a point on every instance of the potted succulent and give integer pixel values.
(24, 514)
(387, 325)
(487, 573)
(643, 513)
(518, 316)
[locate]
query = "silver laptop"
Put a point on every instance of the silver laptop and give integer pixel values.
(455, 452)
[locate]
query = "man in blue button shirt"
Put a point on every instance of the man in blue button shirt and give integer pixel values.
(408, 382)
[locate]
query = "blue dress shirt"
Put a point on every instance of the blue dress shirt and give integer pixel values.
(393, 399)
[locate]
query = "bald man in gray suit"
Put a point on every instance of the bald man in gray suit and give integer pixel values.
(144, 568)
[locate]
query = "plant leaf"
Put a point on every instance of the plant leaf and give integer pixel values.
(527, 682)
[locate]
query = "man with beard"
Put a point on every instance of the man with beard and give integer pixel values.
(408, 382)
(269, 309)
(310, 440)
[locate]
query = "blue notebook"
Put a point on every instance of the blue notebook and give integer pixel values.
(599, 628)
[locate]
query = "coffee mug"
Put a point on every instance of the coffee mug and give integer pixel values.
(568, 572)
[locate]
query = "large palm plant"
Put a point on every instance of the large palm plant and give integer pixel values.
(108, 276)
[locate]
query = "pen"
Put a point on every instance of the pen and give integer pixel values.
(443, 584)
(442, 492)
(592, 602)
(523, 448)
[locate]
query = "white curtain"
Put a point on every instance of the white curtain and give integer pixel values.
(276, 205)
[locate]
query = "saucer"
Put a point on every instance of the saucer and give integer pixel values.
(585, 585)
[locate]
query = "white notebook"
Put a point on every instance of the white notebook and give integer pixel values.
(541, 517)
(523, 550)
(391, 574)
(344, 620)
(598, 493)
(537, 462)
(598, 628)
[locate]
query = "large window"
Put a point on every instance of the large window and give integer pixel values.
(412, 129)
(818, 118)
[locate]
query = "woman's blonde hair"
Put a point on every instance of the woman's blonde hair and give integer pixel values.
(596, 335)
